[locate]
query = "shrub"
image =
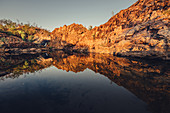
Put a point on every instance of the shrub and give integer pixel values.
(1, 27)
(90, 27)
(30, 38)
(24, 31)
(3, 39)
(93, 36)
(50, 47)
(14, 32)
(23, 36)
(19, 32)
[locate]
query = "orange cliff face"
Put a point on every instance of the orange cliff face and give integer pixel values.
(139, 31)
(70, 34)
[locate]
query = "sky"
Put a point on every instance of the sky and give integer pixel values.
(51, 14)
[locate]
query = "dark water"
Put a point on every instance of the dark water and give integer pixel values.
(78, 83)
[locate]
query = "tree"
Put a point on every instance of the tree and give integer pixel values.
(3, 39)
(113, 13)
(90, 27)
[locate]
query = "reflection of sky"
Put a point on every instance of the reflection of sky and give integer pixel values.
(53, 88)
(54, 13)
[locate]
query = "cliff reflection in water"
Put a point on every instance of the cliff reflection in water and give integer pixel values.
(12, 66)
(148, 80)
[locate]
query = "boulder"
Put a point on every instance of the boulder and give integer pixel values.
(153, 42)
(164, 32)
(131, 32)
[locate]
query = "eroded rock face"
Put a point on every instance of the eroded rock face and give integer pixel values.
(68, 35)
(141, 30)
(13, 43)
(6, 39)
(41, 36)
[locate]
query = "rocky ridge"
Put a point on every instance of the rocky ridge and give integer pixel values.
(142, 30)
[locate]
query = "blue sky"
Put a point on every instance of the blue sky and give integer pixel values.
(55, 13)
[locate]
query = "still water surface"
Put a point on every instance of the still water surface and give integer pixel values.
(95, 83)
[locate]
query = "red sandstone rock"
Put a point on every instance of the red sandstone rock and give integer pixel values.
(143, 27)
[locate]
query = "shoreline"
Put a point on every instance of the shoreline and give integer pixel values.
(22, 50)
(134, 55)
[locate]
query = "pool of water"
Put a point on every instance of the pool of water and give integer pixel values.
(95, 83)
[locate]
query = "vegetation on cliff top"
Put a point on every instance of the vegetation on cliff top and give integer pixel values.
(24, 31)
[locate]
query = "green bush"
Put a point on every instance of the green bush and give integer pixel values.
(23, 36)
(19, 32)
(30, 38)
(3, 39)
(50, 47)
(24, 31)
(14, 32)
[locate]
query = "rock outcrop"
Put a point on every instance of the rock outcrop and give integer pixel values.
(141, 30)
(14, 44)
(67, 37)
(42, 35)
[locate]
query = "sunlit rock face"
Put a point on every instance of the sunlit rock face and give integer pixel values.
(41, 36)
(141, 30)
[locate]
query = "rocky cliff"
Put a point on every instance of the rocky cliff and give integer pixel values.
(141, 30)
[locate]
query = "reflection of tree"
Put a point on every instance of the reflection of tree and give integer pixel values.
(16, 66)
